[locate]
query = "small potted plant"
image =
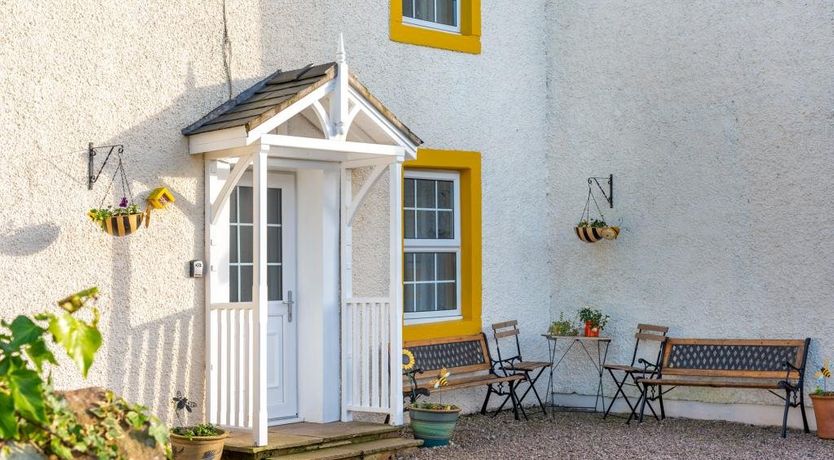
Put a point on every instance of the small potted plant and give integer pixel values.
(594, 321)
(824, 403)
(121, 220)
(431, 422)
(562, 327)
(593, 230)
(198, 442)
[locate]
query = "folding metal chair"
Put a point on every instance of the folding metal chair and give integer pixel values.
(638, 368)
(515, 364)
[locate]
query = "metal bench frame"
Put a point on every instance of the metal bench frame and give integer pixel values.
(474, 368)
(735, 363)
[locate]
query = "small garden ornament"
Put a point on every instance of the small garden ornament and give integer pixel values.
(431, 422)
(824, 403)
(198, 442)
(594, 320)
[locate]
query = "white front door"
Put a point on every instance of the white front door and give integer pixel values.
(281, 340)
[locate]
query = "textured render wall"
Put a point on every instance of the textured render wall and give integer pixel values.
(716, 120)
(136, 73)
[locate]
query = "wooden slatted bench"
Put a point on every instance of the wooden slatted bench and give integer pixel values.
(734, 363)
(468, 360)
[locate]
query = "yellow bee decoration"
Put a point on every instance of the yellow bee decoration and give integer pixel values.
(824, 372)
(442, 378)
(408, 360)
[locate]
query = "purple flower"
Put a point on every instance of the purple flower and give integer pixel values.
(123, 203)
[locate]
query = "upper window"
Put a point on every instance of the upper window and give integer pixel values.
(431, 271)
(436, 14)
(446, 24)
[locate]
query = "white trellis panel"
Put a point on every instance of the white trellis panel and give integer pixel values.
(366, 324)
(230, 364)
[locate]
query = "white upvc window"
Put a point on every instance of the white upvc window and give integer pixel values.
(431, 226)
(433, 14)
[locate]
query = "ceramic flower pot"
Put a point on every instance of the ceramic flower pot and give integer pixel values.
(594, 234)
(824, 413)
(123, 225)
(591, 331)
(198, 448)
(434, 427)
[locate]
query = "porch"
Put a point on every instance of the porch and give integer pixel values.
(336, 440)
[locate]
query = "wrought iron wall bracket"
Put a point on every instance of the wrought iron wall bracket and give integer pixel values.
(609, 196)
(93, 176)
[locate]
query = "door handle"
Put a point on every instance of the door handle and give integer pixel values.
(289, 302)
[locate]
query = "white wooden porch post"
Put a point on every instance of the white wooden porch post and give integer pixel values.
(396, 280)
(259, 296)
(347, 289)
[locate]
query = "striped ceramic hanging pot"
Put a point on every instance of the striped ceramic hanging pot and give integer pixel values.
(122, 225)
(593, 230)
(125, 218)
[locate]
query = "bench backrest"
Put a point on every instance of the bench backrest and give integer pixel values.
(744, 358)
(457, 354)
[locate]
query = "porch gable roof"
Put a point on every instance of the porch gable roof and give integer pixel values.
(279, 91)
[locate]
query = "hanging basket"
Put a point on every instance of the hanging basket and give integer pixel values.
(122, 225)
(594, 234)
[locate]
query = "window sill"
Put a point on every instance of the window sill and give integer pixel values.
(434, 38)
(443, 319)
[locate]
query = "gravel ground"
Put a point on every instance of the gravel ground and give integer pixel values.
(574, 435)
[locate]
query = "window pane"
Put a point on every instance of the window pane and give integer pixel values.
(245, 284)
(245, 197)
(245, 244)
(273, 245)
(425, 193)
(274, 284)
(425, 297)
(445, 194)
(273, 206)
(233, 243)
(408, 301)
(424, 266)
(408, 269)
(409, 193)
(446, 263)
(408, 224)
(426, 225)
(446, 296)
(447, 12)
(233, 204)
(408, 8)
(445, 225)
(424, 10)
(234, 291)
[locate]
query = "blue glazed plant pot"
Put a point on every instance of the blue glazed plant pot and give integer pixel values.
(434, 427)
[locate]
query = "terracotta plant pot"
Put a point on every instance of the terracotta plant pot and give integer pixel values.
(123, 225)
(591, 331)
(434, 427)
(824, 413)
(594, 234)
(198, 448)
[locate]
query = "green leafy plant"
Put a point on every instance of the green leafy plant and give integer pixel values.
(593, 316)
(434, 406)
(563, 327)
(31, 412)
(593, 223)
(183, 405)
(417, 391)
(102, 214)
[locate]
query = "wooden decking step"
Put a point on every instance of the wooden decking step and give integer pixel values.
(377, 450)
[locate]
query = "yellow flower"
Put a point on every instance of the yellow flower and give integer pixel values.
(408, 360)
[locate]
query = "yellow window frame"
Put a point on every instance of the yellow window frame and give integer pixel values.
(468, 165)
(467, 41)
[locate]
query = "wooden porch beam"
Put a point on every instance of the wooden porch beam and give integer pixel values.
(327, 145)
(228, 186)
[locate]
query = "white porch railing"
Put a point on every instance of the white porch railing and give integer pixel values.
(230, 364)
(367, 352)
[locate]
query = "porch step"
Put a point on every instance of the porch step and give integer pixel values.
(381, 449)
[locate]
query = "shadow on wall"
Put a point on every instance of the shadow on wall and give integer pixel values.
(25, 241)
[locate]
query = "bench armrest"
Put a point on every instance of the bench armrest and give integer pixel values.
(792, 367)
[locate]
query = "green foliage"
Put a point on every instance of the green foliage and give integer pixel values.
(594, 223)
(595, 317)
(435, 406)
(102, 214)
(563, 327)
(32, 413)
(197, 431)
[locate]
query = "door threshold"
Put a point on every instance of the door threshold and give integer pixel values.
(285, 421)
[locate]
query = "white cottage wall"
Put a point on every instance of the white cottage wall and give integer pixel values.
(715, 119)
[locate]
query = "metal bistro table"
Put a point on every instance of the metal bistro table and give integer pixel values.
(601, 344)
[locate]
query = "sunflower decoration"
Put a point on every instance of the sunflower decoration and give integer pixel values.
(442, 378)
(408, 360)
(823, 374)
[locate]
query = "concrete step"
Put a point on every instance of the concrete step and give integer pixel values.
(373, 450)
